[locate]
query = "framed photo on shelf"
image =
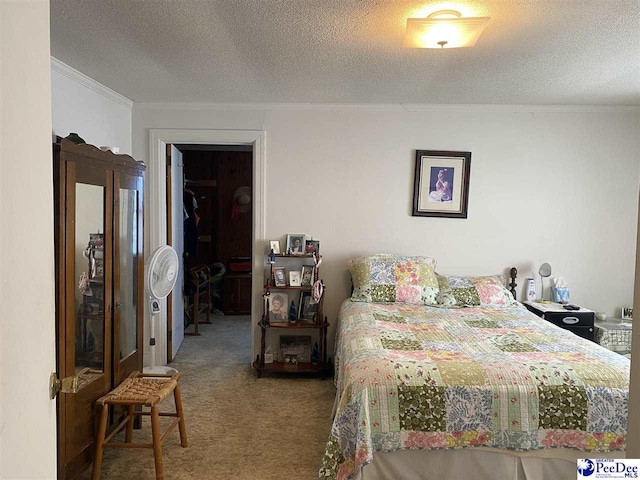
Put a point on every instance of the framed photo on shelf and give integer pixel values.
(441, 184)
(627, 313)
(306, 276)
(294, 279)
(279, 276)
(295, 243)
(291, 358)
(306, 310)
(312, 246)
(278, 304)
(275, 246)
(99, 271)
(96, 240)
(298, 345)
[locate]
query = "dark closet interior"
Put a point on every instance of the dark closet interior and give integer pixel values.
(221, 179)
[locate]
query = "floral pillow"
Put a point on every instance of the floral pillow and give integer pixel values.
(389, 278)
(455, 291)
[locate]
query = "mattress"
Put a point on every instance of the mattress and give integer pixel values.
(412, 377)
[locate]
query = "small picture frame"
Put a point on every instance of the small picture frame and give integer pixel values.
(280, 276)
(627, 313)
(298, 345)
(96, 240)
(296, 243)
(306, 276)
(278, 305)
(312, 246)
(294, 279)
(274, 245)
(306, 310)
(290, 359)
(99, 271)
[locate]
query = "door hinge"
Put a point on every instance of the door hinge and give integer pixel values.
(170, 335)
(66, 385)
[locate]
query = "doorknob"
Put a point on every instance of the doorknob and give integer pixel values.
(66, 385)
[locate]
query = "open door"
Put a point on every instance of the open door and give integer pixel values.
(175, 238)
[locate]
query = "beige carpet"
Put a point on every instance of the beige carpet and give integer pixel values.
(238, 426)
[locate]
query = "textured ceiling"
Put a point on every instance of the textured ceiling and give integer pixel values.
(535, 52)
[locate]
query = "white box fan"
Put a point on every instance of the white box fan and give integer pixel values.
(161, 273)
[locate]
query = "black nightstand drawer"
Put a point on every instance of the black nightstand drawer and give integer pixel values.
(579, 322)
(584, 332)
(570, 319)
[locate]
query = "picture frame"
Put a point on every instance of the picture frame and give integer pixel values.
(280, 276)
(627, 313)
(275, 246)
(291, 358)
(441, 184)
(294, 279)
(306, 276)
(312, 246)
(298, 345)
(295, 243)
(306, 310)
(278, 308)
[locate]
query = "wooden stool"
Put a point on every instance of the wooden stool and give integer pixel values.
(140, 390)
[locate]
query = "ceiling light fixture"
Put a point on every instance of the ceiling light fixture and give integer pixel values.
(444, 29)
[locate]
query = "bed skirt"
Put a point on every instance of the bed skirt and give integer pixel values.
(477, 463)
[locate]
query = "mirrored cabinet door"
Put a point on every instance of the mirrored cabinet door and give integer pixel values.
(90, 271)
(83, 309)
(129, 270)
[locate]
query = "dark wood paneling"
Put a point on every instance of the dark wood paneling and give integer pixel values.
(234, 170)
(224, 238)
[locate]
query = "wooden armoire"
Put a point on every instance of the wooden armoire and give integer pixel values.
(99, 287)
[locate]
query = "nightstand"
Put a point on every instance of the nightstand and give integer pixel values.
(579, 322)
(614, 334)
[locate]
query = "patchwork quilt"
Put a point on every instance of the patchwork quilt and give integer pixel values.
(420, 377)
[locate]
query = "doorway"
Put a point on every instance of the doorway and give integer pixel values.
(219, 179)
(156, 213)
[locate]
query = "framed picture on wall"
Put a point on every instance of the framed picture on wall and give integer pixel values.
(441, 184)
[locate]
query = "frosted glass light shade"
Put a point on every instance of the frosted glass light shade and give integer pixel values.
(444, 30)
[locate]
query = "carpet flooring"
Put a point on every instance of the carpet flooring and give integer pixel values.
(238, 426)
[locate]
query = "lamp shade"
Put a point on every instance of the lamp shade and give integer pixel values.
(444, 29)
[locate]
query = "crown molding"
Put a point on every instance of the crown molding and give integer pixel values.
(88, 82)
(268, 106)
(383, 107)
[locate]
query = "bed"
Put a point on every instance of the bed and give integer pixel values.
(471, 384)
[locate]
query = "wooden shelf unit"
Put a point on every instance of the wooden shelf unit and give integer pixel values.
(319, 323)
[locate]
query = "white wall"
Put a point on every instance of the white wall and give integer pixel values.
(548, 184)
(82, 105)
(27, 318)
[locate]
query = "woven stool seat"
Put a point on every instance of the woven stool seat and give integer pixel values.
(140, 390)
